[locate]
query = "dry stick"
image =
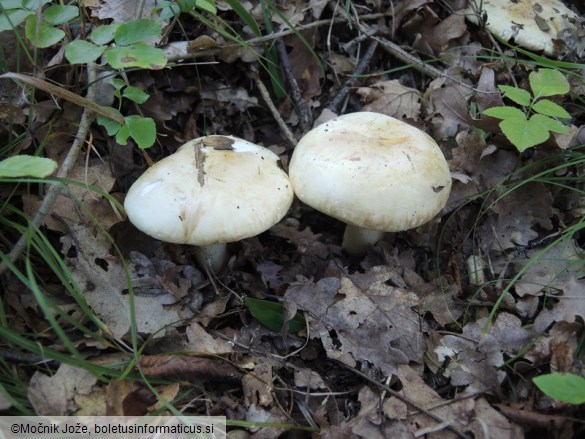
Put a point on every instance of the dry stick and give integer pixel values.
(281, 123)
(66, 167)
(416, 63)
(359, 70)
(299, 102)
(260, 40)
(406, 401)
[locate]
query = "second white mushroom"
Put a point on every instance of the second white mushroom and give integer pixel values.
(373, 172)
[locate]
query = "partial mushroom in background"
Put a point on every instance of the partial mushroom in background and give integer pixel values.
(373, 172)
(533, 24)
(211, 191)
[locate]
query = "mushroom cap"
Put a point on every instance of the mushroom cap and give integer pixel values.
(372, 171)
(212, 190)
(532, 23)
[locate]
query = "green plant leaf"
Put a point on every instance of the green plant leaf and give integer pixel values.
(524, 133)
(59, 14)
(27, 166)
(550, 124)
(135, 94)
(550, 108)
(166, 10)
(548, 82)
(11, 4)
(104, 34)
(136, 55)
(40, 34)
(137, 31)
(142, 130)
(11, 18)
(505, 113)
(112, 127)
(517, 95)
(569, 388)
(33, 5)
(82, 52)
(271, 315)
(207, 5)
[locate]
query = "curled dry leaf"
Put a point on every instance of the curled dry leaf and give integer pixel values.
(187, 367)
(392, 99)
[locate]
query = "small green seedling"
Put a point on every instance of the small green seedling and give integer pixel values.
(533, 124)
(568, 387)
(141, 129)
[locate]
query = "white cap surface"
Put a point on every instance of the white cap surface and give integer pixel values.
(532, 23)
(214, 189)
(372, 171)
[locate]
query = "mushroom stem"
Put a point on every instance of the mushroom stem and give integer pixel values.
(356, 239)
(213, 256)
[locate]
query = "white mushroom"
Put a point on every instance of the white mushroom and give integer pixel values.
(534, 24)
(213, 190)
(373, 172)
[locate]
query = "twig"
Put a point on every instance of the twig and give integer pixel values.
(304, 113)
(66, 167)
(359, 70)
(263, 39)
(406, 401)
(281, 123)
(416, 62)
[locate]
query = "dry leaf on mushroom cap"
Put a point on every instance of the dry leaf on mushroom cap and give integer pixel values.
(532, 24)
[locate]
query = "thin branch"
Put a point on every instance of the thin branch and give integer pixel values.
(65, 169)
(299, 102)
(359, 70)
(281, 123)
(404, 399)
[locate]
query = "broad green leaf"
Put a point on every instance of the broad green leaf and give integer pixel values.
(82, 52)
(12, 18)
(118, 83)
(122, 135)
(142, 130)
(166, 10)
(207, 5)
(136, 55)
(135, 94)
(550, 124)
(517, 95)
(271, 315)
(59, 14)
(11, 4)
(112, 127)
(505, 113)
(104, 34)
(548, 82)
(137, 31)
(40, 34)
(569, 388)
(27, 166)
(35, 4)
(550, 108)
(523, 133)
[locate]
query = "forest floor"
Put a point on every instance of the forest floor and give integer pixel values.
(435, 332)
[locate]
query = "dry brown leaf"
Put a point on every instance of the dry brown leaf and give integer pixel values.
(372, 322)
(202, 342)
(101, 278)
(257, 385)
(187, 367)
(463, 414)
(445, 105)
(54, 395)
(393, 99)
